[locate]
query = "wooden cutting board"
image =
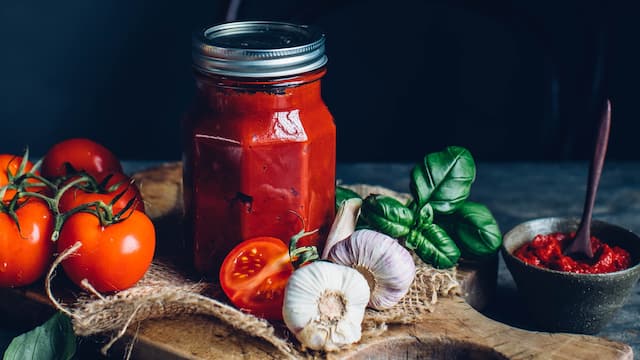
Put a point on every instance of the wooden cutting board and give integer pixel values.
(455, 330)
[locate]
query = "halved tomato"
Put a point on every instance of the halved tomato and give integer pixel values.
(254, 275)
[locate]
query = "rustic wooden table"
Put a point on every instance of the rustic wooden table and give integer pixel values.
(515, 192)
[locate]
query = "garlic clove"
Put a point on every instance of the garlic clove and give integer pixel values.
(324, 304)
(344, 223)
(388, 267)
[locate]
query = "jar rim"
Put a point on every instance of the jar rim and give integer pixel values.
(258, 49)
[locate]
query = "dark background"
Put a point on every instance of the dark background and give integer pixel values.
(508, 80)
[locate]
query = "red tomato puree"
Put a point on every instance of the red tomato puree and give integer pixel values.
(546, 251)
(262, 163)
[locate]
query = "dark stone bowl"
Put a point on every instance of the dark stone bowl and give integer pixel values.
(568, 302)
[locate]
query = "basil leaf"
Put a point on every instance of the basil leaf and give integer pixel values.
(433, 246)
(474, 229)
(424, 217)
(53, 340)
(343, 194)
(443, 179)
(387, 215)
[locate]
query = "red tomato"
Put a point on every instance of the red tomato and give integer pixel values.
(254, 275)
(81, 154)
(25, 254)
(9, 165)
(116, 184)
(111, 258)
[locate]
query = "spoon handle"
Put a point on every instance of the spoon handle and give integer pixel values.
(583, 235)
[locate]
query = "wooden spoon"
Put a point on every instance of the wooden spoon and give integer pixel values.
(581, 245)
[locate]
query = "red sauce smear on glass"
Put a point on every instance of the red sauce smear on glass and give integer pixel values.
(546, 251)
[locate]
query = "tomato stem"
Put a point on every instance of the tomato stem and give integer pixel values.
(28, 194)
(3, 190)
(100, 209)
(304, 254)
(69, 185)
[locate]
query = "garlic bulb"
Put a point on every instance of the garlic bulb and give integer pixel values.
(344, 223)
(387, 265)
(324, 305)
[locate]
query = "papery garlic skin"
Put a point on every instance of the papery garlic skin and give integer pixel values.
(324, 305)
(344, 223)
(388, 267)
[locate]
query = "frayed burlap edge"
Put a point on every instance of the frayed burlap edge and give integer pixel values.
(165, 292)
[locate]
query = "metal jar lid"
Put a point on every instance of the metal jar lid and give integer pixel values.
(258, 49)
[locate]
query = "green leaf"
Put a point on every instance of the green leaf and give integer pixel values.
(474, 229)
(443, 179)
(387, 215)
(343, 194)
(53, 340)
(434, 246)
(424, 217)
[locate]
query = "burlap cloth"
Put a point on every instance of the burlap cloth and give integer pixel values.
(165, 291)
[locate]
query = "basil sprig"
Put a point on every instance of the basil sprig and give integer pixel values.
(439, 223)
(416, 228)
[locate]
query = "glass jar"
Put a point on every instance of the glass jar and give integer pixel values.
(259, 147)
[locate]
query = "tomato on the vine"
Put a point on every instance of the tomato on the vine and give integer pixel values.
(112, 257)
(10, 168)
(118, 184)
(25, 252)
(80, 154)
(254, 275)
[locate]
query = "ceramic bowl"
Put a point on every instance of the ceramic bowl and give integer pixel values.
(568, 302)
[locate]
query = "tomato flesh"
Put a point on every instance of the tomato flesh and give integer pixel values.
(254, 275)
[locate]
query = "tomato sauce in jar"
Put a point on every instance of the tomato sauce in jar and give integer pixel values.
(260, 143)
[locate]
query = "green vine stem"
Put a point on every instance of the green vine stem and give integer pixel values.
(100, 209)
(304, 254)
(19, 180)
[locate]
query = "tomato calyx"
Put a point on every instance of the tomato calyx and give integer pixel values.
(22, 178)
(103, 211)
(302, 255)
(19, 184)
(89, 184)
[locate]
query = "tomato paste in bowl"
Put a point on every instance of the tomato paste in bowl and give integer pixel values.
(547, 251)
(563, 301)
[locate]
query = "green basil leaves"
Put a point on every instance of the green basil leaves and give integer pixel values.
(53, 340)
(474, 229)
(438, 224)
(434, 246)
(387, 215)
(443, 179)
